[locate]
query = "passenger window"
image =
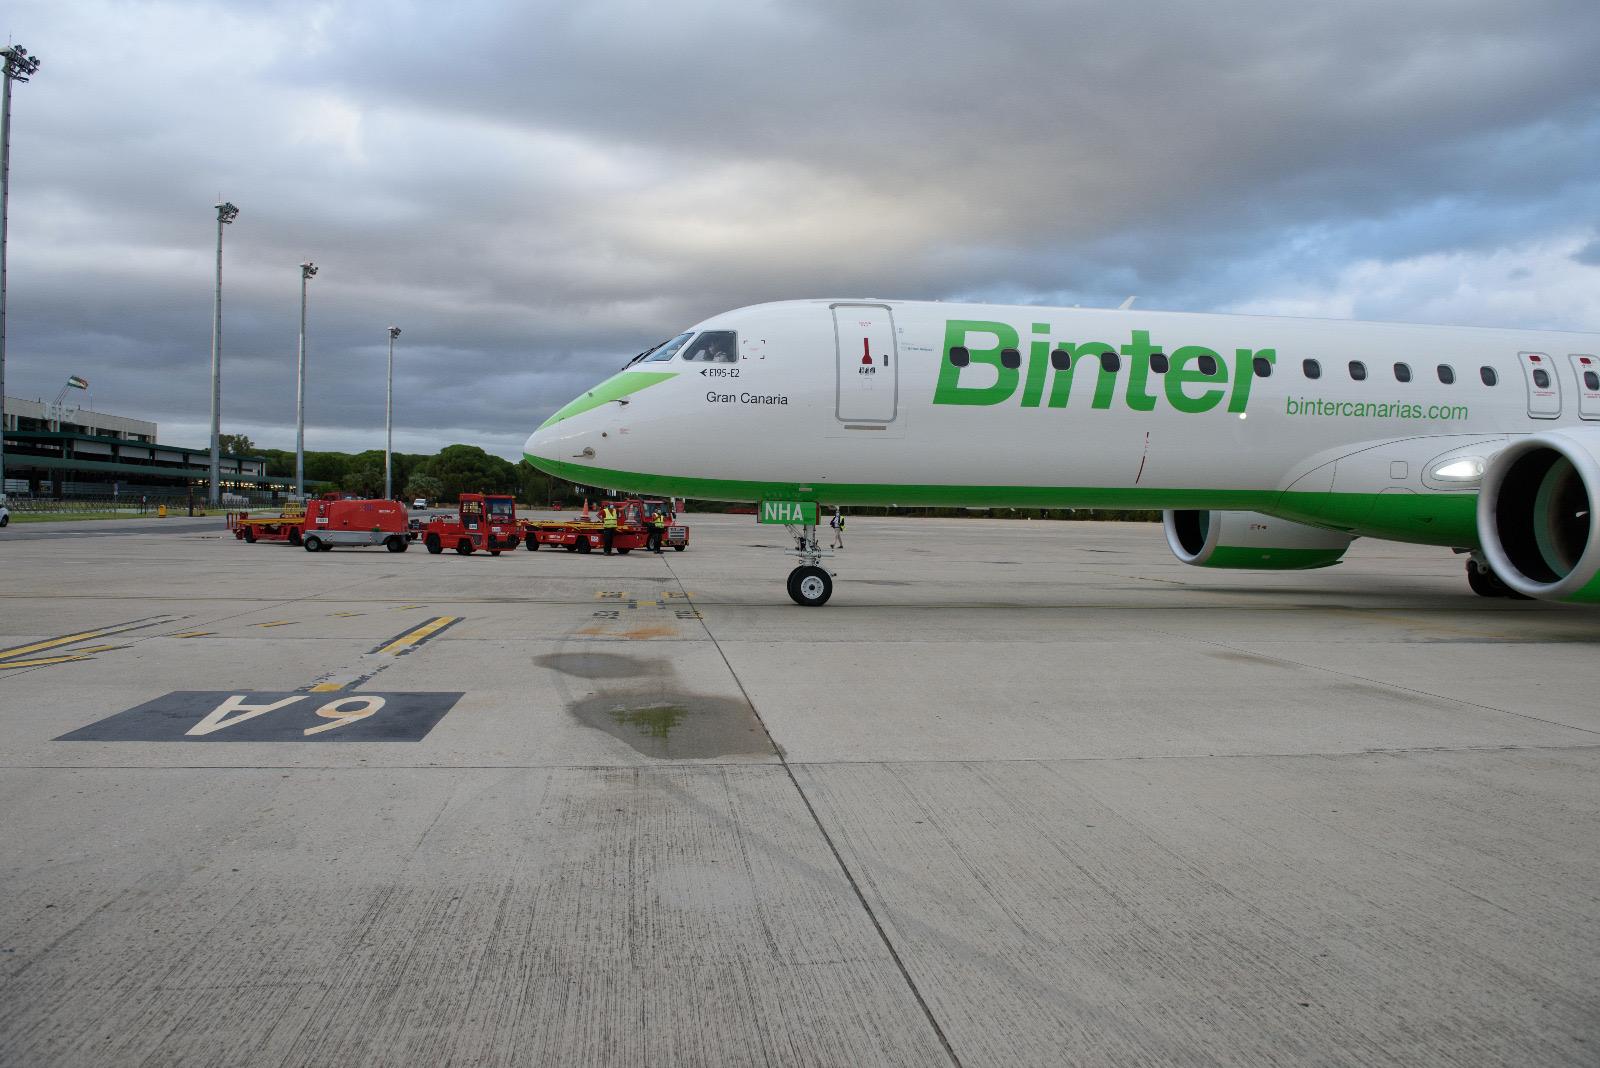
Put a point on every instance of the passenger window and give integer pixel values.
(1158, 362)
(1488, 375)
(1061, 359)
(1358, 370)
(1111, 361)
(1541, 378)
(1207, 365)
(1402, 372)
(668, 349)
(1591, 380)
(1263, 367)
(1010, 358)
(960, 356)
(1312, 368)
(714, 346)
(1447, 374)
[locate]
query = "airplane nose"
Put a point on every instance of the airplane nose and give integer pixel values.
(562, 442)
(573, 432)
(558, 444)
(537, 447)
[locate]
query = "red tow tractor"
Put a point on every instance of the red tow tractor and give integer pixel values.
(482, 521)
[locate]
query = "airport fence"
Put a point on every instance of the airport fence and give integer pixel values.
(132, 506)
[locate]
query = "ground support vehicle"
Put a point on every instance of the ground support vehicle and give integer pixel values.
(585, 533)
(355, 522)
(481, 521)
(676, 536)
(287, 526)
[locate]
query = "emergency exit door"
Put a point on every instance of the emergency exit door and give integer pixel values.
(1544, 385)
(868, 365)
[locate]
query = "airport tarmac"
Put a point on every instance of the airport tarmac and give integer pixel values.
(1024, 793)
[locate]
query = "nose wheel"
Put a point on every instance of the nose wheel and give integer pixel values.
(810, 586)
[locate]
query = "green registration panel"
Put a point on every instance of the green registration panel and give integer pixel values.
(798, 512)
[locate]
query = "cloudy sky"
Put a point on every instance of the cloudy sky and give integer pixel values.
(535, 191)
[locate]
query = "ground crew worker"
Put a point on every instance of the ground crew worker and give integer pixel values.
(837, 523)
(658, 527)
(608, 528)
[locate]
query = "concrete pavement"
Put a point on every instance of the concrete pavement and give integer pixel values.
(1023, 793)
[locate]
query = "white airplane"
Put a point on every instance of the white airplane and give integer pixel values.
(1271, 443)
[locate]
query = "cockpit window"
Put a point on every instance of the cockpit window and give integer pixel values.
(714, 346)
(667, 349)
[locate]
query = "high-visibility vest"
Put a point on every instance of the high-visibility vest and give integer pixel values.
(608, 518)
(660, 520)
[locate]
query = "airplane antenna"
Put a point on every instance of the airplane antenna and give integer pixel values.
(1125, 305)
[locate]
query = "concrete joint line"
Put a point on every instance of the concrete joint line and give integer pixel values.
(816, 820)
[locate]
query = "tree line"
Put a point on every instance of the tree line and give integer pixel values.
(442, 476)
(457, 469)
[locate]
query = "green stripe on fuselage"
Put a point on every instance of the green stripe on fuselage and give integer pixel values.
(1425, 519)
(614, 388)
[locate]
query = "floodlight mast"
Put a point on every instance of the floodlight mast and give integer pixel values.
(388, 422)
(308, 270)
(19, 67)
(226, 213)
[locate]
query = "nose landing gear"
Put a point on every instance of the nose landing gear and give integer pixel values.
(809, 584)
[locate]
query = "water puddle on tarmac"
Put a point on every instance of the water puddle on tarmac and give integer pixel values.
(643, 706)
(676, 726)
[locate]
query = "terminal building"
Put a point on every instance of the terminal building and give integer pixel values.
(60, 451)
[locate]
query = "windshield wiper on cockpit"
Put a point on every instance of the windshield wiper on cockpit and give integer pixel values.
(645, 353)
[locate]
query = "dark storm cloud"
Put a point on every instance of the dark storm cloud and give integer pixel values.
(534, 194)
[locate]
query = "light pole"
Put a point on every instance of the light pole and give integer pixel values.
(308, 270)
(388, 421)
(19, 68)
(226, 213)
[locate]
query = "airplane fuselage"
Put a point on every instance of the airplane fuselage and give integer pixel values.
(1332, 423)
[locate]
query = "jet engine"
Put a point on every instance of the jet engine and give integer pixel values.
(1250, 540)
(1536, 515)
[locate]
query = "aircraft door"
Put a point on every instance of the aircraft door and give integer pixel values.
(1544, 384)
(1587, 370)
(868, 364)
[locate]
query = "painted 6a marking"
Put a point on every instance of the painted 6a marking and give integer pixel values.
(235, 710)
(209, 716)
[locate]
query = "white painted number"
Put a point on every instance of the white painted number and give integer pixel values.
(233, 711)
(340, 715)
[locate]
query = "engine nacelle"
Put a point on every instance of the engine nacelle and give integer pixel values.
(1251, 540)
(1536, 515)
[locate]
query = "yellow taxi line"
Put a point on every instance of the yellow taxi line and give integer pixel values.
(68, 639)
(39, 661)
(420, 634)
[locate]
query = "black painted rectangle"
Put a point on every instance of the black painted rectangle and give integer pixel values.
(224, 716)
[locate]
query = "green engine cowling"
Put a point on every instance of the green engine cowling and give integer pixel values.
(1536, 515)
(1251, 541)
